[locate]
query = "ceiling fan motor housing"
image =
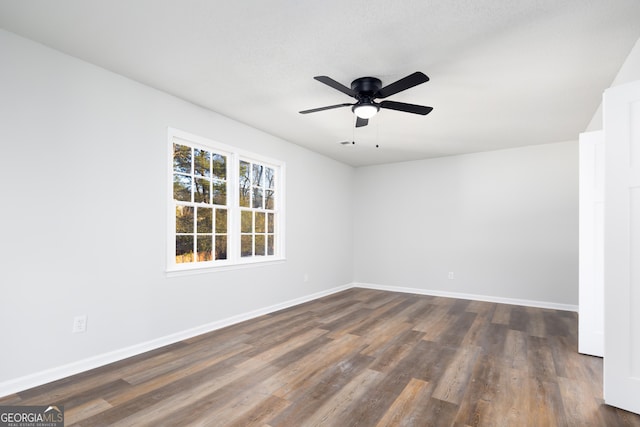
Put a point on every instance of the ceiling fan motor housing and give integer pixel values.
(366, 86)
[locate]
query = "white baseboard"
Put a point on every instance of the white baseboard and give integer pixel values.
(501, 300)
(53, 374)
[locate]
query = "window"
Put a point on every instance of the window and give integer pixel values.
(225, 205)
(257, 209)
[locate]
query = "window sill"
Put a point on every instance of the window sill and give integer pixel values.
(191, 270)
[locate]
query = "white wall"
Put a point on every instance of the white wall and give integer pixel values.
(83, 166)
(629, 72)
(83, 163)
(504, 222)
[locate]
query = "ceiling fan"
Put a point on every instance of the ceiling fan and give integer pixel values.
(367, 89)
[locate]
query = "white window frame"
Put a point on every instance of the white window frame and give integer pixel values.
(234, 155)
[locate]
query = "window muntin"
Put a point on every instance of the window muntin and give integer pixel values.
(212, 224)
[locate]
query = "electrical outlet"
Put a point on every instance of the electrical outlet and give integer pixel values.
(79, 324)
(451, 275)
(306, 277)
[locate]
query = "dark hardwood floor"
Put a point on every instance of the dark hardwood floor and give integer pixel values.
(357, 358)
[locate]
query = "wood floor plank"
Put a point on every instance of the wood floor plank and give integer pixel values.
(512, 403)
(536, 325)
(481, 391)
(267, 354)
(515, 350)
(519, 319)
(435, 413)
(197, 358)
(578, 409)
(540, 358)
(85, 410)
(383, 334)
(434, 322)
(186, 405)
(331, 313)
(66, 388)
(387, 356)
(372, 406)
(12, 399)
(257, 414)
(375, 317)
(343, 324)
(476, 333)
(309, 399)
(421, 305)
(404, 410)
(303, 375)
(379, 317)
(453, 383)
(495, 339)
(173, 395)
(545, 403)
(337, 406)
(482, 308)
(454, 334)
(377, 300)
(361, 357)
(502, 314)
(156, 383)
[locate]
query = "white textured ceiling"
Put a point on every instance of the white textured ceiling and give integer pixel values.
(504, 73)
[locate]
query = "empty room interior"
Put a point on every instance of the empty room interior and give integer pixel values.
(281, 213)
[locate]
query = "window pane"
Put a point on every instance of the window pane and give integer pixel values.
(258, 177)
(259, 244)
(184, 219)
(184, 249)
(270, 178)
(221, 247)
(270, 218)
(205, 252)
(205, 221)
(182, 188)
(245, 184)
(270, 244)
(257, 198)
(244, 197)
(260, 222)
(203, 191)
(268, 200)
(220, 193)
(201, 164)
(246, 245)
(246, 221)
(181, 158)
(219, 166)
(221, 221)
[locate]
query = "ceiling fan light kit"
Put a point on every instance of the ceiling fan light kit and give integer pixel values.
(367, 89)
(365, 111)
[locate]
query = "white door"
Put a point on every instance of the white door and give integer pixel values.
(591, 232)
(622, 247)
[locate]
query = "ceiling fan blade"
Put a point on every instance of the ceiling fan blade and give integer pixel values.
(407, 108)
(402, 84)
(337, 86)
(330, 107)
(361, 122)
